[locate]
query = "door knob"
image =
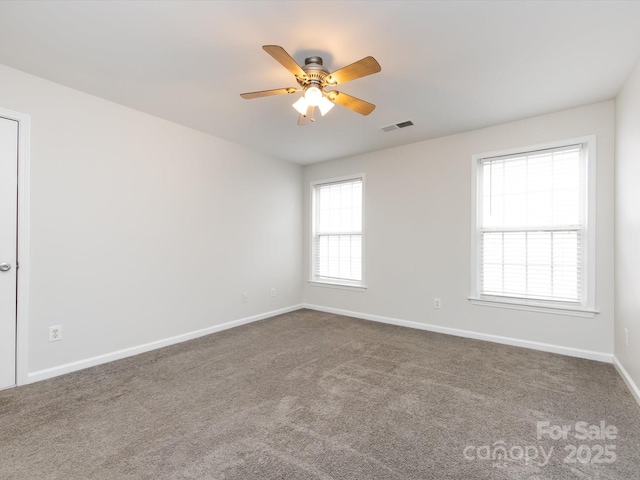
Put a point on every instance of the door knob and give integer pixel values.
(5, 267)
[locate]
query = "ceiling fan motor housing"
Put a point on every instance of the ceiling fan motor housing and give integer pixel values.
(315, 71)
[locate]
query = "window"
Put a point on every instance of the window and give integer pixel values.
(533, 229)
(337, 235)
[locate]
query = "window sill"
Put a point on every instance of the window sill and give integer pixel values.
(534, 307)
(343, 286)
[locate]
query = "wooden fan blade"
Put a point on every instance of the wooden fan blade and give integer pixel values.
(281, 55)
(353, 103)
(361, 68)
(308, 118)
(268, 93)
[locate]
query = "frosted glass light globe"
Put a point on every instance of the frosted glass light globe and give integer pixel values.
(313, 96)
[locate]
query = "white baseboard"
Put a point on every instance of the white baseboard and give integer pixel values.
(128, 352)
(545, 347)
(635, 391)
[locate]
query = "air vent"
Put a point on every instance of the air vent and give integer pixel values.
(397, 126)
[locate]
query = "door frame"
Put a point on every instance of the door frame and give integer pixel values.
(22, 305)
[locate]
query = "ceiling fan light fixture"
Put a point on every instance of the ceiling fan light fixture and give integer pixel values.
(313, 95)
(325, 105)
(301, 106)
(313, 78)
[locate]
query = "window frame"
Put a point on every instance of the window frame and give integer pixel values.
(314, 279)
(587, 306)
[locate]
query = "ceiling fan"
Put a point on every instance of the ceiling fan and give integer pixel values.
(312, 80)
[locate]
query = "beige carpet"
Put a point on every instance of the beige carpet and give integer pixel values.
(309, 395)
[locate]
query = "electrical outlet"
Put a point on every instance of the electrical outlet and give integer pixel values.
(55, 333)
(273, 292)
(243, 297)
(436, 303)
(626, 337)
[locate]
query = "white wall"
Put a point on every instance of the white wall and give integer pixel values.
(142, 229)
(417, 232)
(627, 226)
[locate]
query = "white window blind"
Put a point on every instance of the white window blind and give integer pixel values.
(338, 231)
(532, 214)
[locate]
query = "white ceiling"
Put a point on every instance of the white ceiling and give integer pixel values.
(447, 66)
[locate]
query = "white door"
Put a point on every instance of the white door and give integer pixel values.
(8, 249)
